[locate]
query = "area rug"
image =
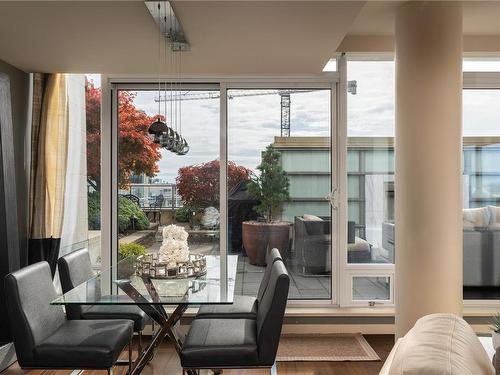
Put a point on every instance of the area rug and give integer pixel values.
(325, 347)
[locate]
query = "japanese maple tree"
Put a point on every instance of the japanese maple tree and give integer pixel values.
(198, 185)
(137, 153)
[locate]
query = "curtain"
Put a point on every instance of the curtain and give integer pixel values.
(49, 153)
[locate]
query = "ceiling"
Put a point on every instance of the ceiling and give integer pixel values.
(377, 18)
(226, 37)
(241, 37)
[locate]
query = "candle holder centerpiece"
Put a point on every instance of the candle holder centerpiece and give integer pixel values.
(173, 260)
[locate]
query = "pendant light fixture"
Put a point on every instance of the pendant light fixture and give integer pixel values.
(169, 137)
(158, 128)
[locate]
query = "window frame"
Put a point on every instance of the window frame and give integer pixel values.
(113, 84)
(337, 81)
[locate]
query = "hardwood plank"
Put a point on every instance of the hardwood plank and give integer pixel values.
(166, 362)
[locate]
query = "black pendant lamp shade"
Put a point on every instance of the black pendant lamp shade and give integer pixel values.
(157, 129)
(169, 141)
(160, 133)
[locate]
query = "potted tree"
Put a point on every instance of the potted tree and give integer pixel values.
(270, 188)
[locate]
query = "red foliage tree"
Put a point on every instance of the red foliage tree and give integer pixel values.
(137, 153)
(93, 115)
(198, 185)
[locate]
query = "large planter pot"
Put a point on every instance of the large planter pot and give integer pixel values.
(260, 237)
(496, 339)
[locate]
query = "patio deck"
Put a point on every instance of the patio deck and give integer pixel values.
(301, 287)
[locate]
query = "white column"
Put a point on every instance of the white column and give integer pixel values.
(428, 161)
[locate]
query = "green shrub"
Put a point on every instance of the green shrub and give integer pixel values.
(94, 210)
(128, 209)
(271, 187)
(126, 250)
(183, 214)
(495, 322)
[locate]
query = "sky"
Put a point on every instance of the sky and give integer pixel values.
(254, 121)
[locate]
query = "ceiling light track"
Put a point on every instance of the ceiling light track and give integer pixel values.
(171, 29)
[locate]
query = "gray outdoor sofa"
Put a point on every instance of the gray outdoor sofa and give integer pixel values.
(312, 245)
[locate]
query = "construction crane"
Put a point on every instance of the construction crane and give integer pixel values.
(284, 95)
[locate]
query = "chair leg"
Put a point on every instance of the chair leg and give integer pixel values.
(130, 357)
(274, 369)
(139, 343)
(110, 371)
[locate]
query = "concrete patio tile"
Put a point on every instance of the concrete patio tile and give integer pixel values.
(250, 289)
(326, 282)
(315, 294)
(253, 277)
(306, 282)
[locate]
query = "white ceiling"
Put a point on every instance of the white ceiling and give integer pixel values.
(226, 37)
(243, 37)
(377, 18)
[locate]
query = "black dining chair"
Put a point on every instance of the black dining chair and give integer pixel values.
(243, 307)
(44, 339)
(74, 269)
(240, 343)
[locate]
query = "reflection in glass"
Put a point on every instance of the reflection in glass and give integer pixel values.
(370, 163)
(481, 188)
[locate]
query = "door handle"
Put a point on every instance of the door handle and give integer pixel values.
(331, 198)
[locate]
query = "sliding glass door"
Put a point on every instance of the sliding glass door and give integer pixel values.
(279, 175)
(259, 173)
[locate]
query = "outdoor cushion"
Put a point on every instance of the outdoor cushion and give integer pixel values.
(307, 217)
(213, 343)
(130, 312)
(85, 344)
(494, 215)
(243, 307)
(476, 217)
(359, 245)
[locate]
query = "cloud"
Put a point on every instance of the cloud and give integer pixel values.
(254, 121)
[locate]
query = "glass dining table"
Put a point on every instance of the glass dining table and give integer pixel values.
(121, 285)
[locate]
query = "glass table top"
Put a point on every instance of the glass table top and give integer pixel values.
(111, 287)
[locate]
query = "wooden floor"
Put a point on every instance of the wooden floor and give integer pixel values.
(166, 362)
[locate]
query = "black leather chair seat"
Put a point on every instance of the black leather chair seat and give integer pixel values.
(74, 269)
(131, 312)
(84, 344)
(243, 307)
(214, 343)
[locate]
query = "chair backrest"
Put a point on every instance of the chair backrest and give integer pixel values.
(74, 269)
(133, 198)
(32, 318)
(271, 257)
(159, 201)
(271, 311)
